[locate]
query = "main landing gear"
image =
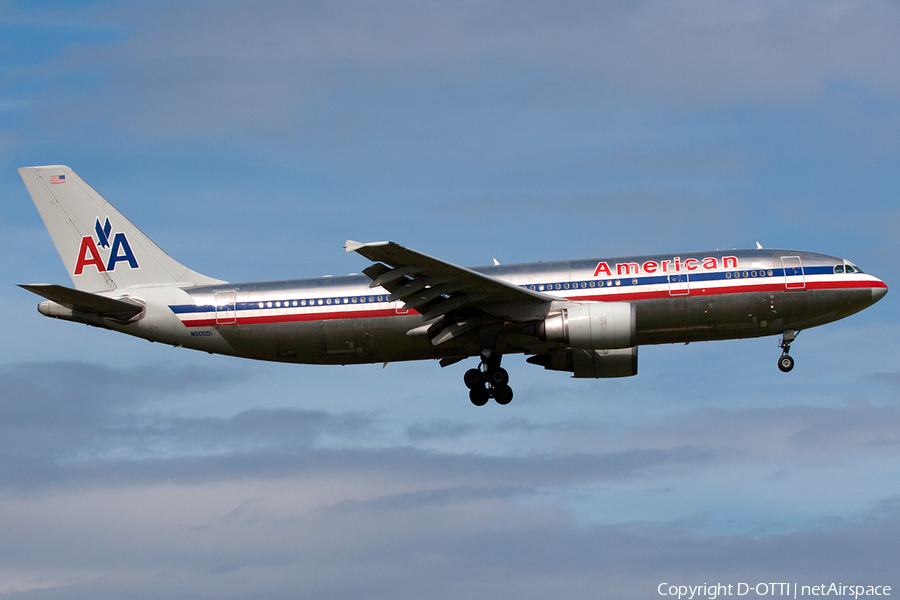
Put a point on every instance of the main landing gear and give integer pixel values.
(488, 381)
(786, 363)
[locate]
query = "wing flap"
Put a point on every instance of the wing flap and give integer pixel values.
(418, 300)
(436, 289)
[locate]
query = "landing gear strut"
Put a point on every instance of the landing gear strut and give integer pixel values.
(488, 381)
(786, 363)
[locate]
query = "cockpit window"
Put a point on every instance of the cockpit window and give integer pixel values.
(847, 268)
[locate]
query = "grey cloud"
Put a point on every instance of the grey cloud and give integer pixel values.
(478, 546)
(439, 429)
(52, 409)
(251, 428)
(286, 68)
(77, 424)
(792, 435)
(891, 378)
(693, 42)
(85, 425)
(799, 434)
(63, 421)
(423, 499)
(465, 470)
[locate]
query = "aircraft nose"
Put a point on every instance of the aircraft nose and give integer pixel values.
(878, 293)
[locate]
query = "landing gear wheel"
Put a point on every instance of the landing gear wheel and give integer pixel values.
(503, 395)
(473, 378)
(479, 396)
(488, 381)
(785, 363)
(498, 377)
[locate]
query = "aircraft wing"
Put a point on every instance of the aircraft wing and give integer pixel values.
(87, 302)
(456, 300)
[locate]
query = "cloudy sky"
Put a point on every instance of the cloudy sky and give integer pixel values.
(251, 139)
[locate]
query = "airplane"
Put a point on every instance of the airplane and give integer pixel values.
(586, 317)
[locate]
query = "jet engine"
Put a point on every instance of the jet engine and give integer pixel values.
(591, 325)
(595, 364)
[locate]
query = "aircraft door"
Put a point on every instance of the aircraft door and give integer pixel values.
(225, 307)
(679, 285)
(344, 337)
(794, 279)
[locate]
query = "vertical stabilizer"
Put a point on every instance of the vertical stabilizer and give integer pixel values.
(101, 249)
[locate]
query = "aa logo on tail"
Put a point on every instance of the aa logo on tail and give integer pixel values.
(89, 253)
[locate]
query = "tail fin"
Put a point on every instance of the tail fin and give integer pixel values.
(102, 250)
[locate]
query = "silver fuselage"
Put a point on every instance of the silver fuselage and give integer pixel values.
(678, 298)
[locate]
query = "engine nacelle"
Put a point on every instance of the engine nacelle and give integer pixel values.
(594, 364)
(592, 325)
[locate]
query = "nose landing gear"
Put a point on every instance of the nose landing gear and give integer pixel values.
(786, 363)
(488, 380)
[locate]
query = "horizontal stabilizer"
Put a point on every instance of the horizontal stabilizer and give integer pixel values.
(120, 308)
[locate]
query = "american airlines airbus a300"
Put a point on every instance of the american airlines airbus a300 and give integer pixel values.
(586, 317)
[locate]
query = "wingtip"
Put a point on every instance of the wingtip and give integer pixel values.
(351, 246)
